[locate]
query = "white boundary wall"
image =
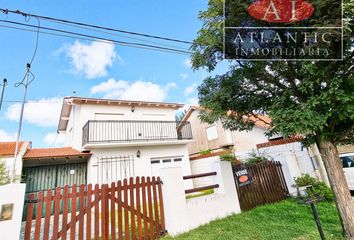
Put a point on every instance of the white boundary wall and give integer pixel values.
(183, 214)
(296, 160)
(203, 165)
(12, 193)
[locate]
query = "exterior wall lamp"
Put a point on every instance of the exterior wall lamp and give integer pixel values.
(133, 108)
(138, 153)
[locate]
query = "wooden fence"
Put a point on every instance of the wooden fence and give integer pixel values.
(267, 184)
(123, 210)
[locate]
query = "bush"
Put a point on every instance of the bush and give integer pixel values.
(4, 174)
(227, 157)
(318, 189)
(205, 152)
(255, 157)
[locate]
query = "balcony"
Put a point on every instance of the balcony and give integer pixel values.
(110, 132)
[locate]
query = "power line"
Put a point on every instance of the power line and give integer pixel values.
(82, 38)
(132, 44)
(6, 11)
(119, 35)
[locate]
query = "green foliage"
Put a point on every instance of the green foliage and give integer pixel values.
(4, 174)
(284, 220)
(227, 156)
(255, 157)
(318, 189)
(205, 152)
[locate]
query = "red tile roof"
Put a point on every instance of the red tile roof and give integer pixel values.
(280, 142)
(53, 153)
(8, 148)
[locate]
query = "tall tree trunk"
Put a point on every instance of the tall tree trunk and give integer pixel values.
(344, 201)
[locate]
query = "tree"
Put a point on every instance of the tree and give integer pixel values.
(4, 174)
(315, 99)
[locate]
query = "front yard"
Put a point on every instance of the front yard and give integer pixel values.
(284, 220)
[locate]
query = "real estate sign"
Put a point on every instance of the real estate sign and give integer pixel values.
(243, 177)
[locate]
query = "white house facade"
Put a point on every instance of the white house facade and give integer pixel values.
(125, 138)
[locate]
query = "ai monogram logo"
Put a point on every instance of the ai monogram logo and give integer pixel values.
(282, 11)
(283, 30)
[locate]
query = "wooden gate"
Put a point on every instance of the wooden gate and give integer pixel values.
(268, 185)
(123, 210)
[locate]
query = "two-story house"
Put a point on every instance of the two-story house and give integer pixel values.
(215, 138)
(125, 138)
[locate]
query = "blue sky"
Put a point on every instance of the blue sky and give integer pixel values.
(94, 69)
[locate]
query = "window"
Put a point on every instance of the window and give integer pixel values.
(347, 161)
(212, 133)
(167, 159)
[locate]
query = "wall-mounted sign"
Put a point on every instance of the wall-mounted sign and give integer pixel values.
(72, 171)
(6, 211)
(243, 177)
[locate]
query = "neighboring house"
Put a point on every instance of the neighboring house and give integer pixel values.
(215, 137)
(7, 152)
(296, 159)
(125, 138)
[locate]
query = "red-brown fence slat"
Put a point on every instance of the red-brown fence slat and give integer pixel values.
(29, 216)
(113, 211)
(132, 208)
(143, 197)
(88, 212)
(56, 213)
(104, 212)
(97, 212)
(37, 229)
(274, 180)
(126, 212)
(151, 216)
(73, 212)
(48, 208)
(261, 184)
(138, 207)
(259, 193)
(156, 207)
(120, 212)
(65, 211)
(81, 211)
(162, 214)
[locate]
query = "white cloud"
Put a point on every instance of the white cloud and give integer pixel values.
(7, 137)
(190, 102)
(187, 62)
(139, 90)
(190, 89)
(44, 112)
(54, 139)
(91, 60)
(184, 76)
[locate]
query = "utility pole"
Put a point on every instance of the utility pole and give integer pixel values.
(4, 83)
(25, 82)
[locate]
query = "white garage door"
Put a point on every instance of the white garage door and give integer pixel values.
(158, 163)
